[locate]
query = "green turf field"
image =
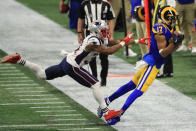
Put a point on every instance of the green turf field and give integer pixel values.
(28, 103)
(184, 62)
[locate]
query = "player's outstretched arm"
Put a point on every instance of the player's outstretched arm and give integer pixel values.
(112, 49)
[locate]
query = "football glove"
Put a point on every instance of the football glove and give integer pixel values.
(142, 41)
(128, 38)
(177, 39)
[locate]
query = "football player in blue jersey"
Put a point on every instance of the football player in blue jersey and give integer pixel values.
(164, 41)
(72, 64)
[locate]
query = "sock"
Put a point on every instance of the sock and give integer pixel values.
(132, 97)
(99, 97)
(21, 62)
(34, 67)
(122, 90)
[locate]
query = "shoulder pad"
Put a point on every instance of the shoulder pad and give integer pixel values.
(159, 29)
(94, 40)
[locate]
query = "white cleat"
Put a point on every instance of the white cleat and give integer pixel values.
(193, 50)
(182, 48)
(131, 53)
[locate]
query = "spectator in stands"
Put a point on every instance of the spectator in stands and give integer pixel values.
(92, 10)
(137, 12)
(186, 15)
(117, 5)
(194, 38)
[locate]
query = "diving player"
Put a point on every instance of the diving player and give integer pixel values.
(164, 40)
(72, 64)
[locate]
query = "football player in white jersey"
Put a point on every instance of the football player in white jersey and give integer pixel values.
(72, 64)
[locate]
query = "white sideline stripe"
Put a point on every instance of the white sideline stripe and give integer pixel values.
(49, 107)
(28, 91)
(39, 99)
(57, 111)
(15, 74)
(14, 84)
(11, 81)
(78, 129)
(64, 115)
(25, 88)
(9, 71)
(35, 95)
(44, 103)
(8, 68)
(43, 125)
(69, 119)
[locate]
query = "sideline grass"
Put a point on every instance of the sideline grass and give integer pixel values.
(21, 109)
(184, 63)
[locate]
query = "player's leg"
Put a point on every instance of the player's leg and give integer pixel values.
(127, 87)
(85, 78)
(148, 76)
(16, 59)
(121, 91)
(50, 73)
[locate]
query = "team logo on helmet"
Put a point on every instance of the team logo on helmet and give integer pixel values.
(168, 15)
(139, 13)
(100, 29)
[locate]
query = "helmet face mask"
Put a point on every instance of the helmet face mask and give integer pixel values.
(100, 29)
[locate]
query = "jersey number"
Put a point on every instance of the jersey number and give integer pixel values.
(159, 29)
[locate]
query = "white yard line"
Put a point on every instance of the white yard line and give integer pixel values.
(9, 71)
(69, 119)
(16, 85)
(15, 74)
(39, 99)
(57, 111)
(26, 88)
(43, 107)
(30, 125)
(42, 103)
(34, 95)
(44, 125)
(28, 91)
(15, 81)
(14, 77)
(63, 115)
(7, 68)
(78, 129)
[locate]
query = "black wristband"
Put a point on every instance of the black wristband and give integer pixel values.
(79, 32)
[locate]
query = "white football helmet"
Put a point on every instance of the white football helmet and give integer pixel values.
(100, 29)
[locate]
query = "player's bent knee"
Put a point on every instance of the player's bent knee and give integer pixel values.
(96, 85)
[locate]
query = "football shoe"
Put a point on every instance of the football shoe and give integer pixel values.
(112, 114)
(113, 121)
(99, 110)
(11, 58)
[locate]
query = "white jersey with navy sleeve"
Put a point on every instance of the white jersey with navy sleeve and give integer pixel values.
(80, 56)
